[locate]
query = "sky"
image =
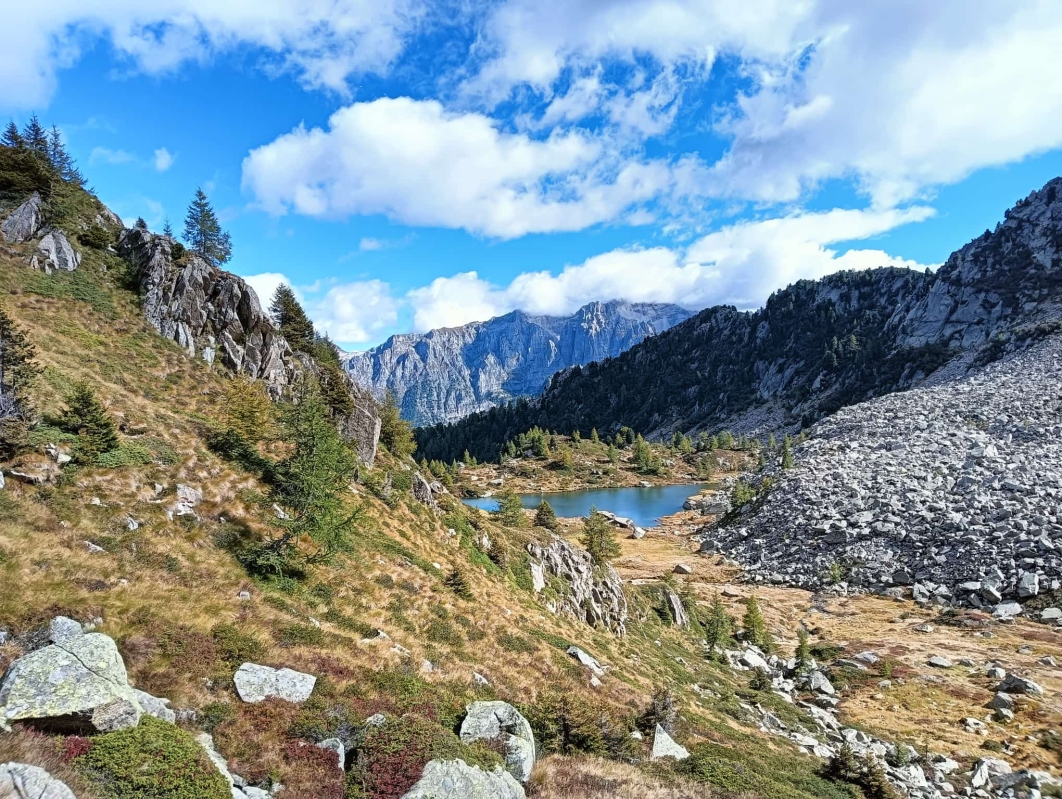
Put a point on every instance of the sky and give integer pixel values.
(412, 164)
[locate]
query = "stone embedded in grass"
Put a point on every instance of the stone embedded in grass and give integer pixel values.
(664, 746)
(18, 780)
(80, 685)
(153, 706)
(255, 683)
(940, 662)
(500, 720)
(455, 779)
(1013, 684)
(588, 661)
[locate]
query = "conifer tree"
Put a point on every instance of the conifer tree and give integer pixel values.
(546, 517)
(510, 509)
(395, 432)
(802, 654)
(754, 627)
(35, 137)
(294, 325)
(11, 136)
(310, 485)
(167, 228)
(203, 232)
(717, 628)
(248, 409)
(457, 581)
(86, 418)
(17, 367)
(599, 539)
(787, 453)
(613, 454)
(594, 437)
(577, 436)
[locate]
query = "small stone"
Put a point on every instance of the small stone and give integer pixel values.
(255, 683)
(682, 568)
(939, 662)
(664, 746)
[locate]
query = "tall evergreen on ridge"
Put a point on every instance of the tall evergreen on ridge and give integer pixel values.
(291, 319)
(60, 159)
(203, 232)
(11, 136)
(35, 137)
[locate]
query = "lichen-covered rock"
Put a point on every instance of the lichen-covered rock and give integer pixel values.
(20, 781)
(594, 594)
(664, 746)
(255, 683)
(500, 720)
(23, 223)
(422, 491)
(58, 253)
(207, 310)
(154, 706)
(79, 685)
(455, 779)
(362, 425)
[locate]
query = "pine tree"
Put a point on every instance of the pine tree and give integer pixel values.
(594, 437)
(310, 486)
(35, 137)
(577, 436)
(203, 232)
(510, 509)
(248, 409)
(11, 136)
(167, 228)
(294, 325)
(546, 517)
(613, 454)
(754, 627)
(787, 453)
(457, 582)
(17, 367)
(57, 154)
(599, 539)
(718, 627)
(86, 418)
(396, 434)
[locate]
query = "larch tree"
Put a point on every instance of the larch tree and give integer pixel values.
(203, 233)
(599, 539)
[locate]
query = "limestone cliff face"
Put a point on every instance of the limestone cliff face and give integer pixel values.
(449, 373)
(209, 312)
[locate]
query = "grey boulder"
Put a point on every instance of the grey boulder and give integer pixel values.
(19, 781)
(664, 746)
(500, 720)
(22, 223)
(77, 685)
(256, 683)
(58, 253)
(455, 779)
(153, 706)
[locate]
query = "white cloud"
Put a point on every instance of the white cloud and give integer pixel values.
(740, 264)
(108, 156)
(163, 159)
(370, 244)
(323, 41)
(355, 312)
(422, 165)
(265, 285)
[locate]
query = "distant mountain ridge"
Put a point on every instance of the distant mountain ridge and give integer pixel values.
(816, 346)
(446, 374)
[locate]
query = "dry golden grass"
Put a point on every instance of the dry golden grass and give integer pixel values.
(41, 751)
(594, 778)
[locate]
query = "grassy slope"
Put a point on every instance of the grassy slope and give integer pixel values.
(161, 588)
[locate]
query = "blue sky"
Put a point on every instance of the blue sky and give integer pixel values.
(407, 164)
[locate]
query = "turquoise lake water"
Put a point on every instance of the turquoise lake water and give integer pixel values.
(644, 505)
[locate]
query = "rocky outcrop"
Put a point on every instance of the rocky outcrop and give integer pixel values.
(74, 686)
(501, 721)
(21, 781)
(256, 683)
(57, 252)
(209, 312)
(591, 594)
(23, 223)
(362, 425)
(449, 373)
(455, 779)
(950, 491)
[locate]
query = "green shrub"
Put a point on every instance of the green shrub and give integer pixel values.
(214, 714)
(154, 760)
(392, 756)
(442, 632)
(97, 237)
(125, 455)
(300, 635)
(511, 642)
(235, 647)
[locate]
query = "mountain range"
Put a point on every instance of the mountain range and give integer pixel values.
(449, 373)
(815, 346)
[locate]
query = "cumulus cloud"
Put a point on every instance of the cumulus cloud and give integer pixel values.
(106, 155)
(420, 164)
(265, 285)
(740, 264)
(355, 312)
(163, 159)
(323, 41)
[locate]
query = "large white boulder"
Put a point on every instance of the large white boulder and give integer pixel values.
(256, 683)
(500, 720)
(19, 781)
(80, 684)
(455, 779)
